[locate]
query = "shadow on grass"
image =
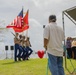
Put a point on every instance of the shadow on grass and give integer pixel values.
(14, 62)
(11, 62)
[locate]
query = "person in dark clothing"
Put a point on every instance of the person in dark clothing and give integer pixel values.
(74, 48)
(68, 47)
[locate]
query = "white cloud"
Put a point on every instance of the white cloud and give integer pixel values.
(45, 2)
(33, 22)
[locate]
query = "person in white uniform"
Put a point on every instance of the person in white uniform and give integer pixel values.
(53, 36)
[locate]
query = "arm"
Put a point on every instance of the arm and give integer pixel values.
(45, 43)
(30, 44)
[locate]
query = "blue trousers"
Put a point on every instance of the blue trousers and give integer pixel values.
(20, 51)
(17, 52)
(29, 50)
(55, 65)
(25, 53)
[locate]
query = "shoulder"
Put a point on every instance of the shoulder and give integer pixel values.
(47, 27)
(60, 28)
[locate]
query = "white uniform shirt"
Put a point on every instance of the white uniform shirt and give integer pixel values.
(55, 35)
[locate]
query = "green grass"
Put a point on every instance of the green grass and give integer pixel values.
(31, 67)
(71, 66)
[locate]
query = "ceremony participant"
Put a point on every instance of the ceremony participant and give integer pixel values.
(20, 47)
(25, 52)
(28, 45)
(16, 42)
(53, 37)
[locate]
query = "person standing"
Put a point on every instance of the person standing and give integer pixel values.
(74, 48)
(53, 36)
(16, 42)
(25, 52)
(29, 50)
(68, 47)
(20, 48)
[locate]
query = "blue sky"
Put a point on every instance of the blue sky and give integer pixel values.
(39, 11)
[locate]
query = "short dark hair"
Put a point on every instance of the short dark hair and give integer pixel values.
(52, 18)
(17, 33)
(20, 36)
(23, 37)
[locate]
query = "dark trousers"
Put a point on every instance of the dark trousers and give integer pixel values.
(17, 52)
(25, 53)
(74, 52)
(29, 50)
(20, 51)
(69, 53)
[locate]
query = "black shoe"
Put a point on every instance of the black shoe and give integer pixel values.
(27, 59)
(19, 59)
(15, 60)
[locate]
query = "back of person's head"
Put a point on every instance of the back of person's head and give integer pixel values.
(68, 38)
(23, 37)
(20, 36)
(28, 38)
(52, 18)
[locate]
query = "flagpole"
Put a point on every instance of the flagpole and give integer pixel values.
(25, 19)
(26, 33)
(27, 29)
(23, 16)
(26, 25)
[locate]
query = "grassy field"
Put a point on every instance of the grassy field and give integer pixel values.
(31, 67)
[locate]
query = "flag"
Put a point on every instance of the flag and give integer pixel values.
(25, 21)
(21, 13)
(17, 22)
(25, 24)
(12, 24)
(20, 24)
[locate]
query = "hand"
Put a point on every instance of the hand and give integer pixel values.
(45, 47)
(63, 53)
